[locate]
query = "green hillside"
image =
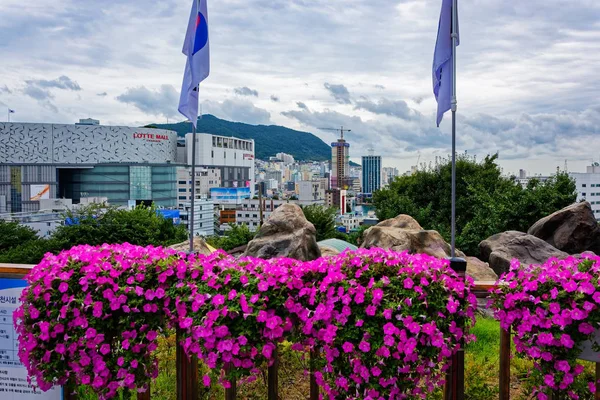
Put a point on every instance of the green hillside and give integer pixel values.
(269, 140)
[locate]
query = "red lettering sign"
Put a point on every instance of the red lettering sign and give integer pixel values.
(150, 137)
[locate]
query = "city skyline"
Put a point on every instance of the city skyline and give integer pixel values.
(524, 72)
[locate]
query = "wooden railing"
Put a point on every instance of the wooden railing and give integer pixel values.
(187, 368)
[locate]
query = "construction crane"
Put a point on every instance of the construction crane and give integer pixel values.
(341, 130)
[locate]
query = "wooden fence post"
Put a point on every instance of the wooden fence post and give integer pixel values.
(273, 378)
(145, 395)
(314, 388)
(504, 377)
(597, 394)
(187, 373)
(231, 392)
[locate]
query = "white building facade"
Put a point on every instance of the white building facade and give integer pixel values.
(233, 156)
(204, 216)
(206, 179)
(588, 187)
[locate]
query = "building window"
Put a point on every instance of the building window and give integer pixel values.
(212, 153)
(183, 190)
(182, 182)
(182, 197)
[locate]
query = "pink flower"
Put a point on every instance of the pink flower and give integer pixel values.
(63, 287)
(408, 283)
(566, 341)
(206, 380)
(218, 300)
(243, 279)
(364, 346)
(348, 347)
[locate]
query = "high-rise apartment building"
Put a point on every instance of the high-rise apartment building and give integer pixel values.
(371, 173)
(340, 163)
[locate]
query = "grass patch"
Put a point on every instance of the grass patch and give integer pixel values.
(481, 373)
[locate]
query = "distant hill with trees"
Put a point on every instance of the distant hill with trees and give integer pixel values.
(269, 139)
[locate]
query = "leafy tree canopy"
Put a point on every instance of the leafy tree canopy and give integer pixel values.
(486, 201)
(323, 218)
(236, 236)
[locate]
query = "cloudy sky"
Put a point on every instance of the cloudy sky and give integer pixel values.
(528, 85)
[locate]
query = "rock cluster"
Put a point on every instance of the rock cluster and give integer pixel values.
(404, 233)
(570, 231)
(287, 233)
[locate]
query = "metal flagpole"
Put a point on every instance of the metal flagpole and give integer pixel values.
(453, 108)
(455, 385)
(191, 216)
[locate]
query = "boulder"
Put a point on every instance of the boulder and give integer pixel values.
(528, 249)
(327, 251)
(200, 246)
(496, 241)
(403, 233)
(402, 221)
(479, 270)
(287, 233)
(573, 229)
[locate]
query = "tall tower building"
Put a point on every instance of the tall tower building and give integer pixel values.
(340, 163)
(371, 173)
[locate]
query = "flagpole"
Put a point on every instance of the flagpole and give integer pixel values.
(453, 108)
(191, 216)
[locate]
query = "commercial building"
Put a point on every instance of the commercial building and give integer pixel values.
(229, 195)
(232, 156)
(337, 198)
(204, 216)
(248, 213)
(389, 173)
(311, 191)
(588, 187)
(206, 179)
(123, 164)
(340, 163)
(371, 173)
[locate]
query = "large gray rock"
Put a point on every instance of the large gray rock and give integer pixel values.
(200, 246)
(287, 233)
(573, 229)
(496, 241)
(528, 249)
(479, 270)
(403, 233)
(411, 240)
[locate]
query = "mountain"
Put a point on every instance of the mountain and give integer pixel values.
(269, 140)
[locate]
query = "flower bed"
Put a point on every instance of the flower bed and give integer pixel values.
(89, 317)
(386, 322)
(232, 313)
(552, 310)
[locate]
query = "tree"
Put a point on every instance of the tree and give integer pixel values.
(12, 234)
(356, 237)
(323, 218)
(99, 224)
(236, 236)
(486, 201)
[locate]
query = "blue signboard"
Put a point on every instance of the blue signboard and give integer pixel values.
(13, 375)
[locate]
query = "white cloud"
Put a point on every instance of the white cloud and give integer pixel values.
(529, 64)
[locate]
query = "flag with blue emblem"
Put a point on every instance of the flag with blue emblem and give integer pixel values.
(197, 66)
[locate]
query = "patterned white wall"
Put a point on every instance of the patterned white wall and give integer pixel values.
(24, 143)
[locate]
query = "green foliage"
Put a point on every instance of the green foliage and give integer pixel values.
(269, 140)
(323, 218)
(12, 235)
(356, 237)
(237, 236)
(486, 201)
(98, 224)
